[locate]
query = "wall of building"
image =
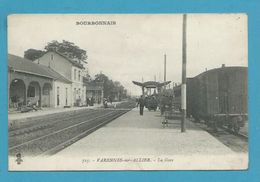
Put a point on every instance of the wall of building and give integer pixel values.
(47, 95)
(79, 93)
(78, 88)
(57, 63)
(61, 97)
(77, 75)
(73, 73)
(29, 79)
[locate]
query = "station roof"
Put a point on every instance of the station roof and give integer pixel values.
(23, 65)
(151, 84)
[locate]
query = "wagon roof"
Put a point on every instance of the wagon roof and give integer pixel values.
(229, 68)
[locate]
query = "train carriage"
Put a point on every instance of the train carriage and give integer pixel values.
(219, 96)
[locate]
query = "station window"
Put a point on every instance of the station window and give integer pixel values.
(58, 90)
(75, 74)
(31, 91)
(75, 93)
(66, 96)
(46, 91)
(58, 96)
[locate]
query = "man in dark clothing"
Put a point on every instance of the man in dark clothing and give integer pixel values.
(92, 101)
(141, 103)
(110, 99)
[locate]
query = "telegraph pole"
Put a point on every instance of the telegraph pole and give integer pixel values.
(142, 87)
(164, 70)
(183, 86)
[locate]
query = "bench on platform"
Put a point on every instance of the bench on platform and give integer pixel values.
(170, 115)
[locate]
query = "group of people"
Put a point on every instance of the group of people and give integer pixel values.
(90, 101)
(16, 101)
(164, 103)
(19, 104)
(106, 100)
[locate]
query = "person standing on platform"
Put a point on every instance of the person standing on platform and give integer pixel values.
(141, 103)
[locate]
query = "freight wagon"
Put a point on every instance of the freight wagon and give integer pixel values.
(218, 97)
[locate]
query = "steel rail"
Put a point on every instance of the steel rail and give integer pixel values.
(58, 131)
(236, 134)
(49, 123)
(78, 137)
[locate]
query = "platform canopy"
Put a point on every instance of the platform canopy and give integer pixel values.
(151, 84)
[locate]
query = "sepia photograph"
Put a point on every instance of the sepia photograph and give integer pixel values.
(107, 92)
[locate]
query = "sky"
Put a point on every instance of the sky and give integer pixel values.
(134, 47)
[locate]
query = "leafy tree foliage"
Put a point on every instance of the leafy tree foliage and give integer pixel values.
(65, 47)
(33, 54)
(111, 88)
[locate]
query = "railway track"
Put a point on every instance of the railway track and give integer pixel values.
(40, 124)
(69, 142)
(54, 135)
(236, 142)
(241, 135)
(25, 134)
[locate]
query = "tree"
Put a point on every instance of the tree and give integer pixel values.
(106, 83)
(101, 77)
(119, 90)
(67, 48)
(111, 88)
(33, 54)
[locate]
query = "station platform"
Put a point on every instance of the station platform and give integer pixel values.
(134, 142)
(21, 117)
(17, 118)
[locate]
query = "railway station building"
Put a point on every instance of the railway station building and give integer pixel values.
(53, 80)
(71, 69)
(31, 83)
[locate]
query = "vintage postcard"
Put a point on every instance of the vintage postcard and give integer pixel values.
(127, 92)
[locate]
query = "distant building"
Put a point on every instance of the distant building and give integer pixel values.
(94, 90)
